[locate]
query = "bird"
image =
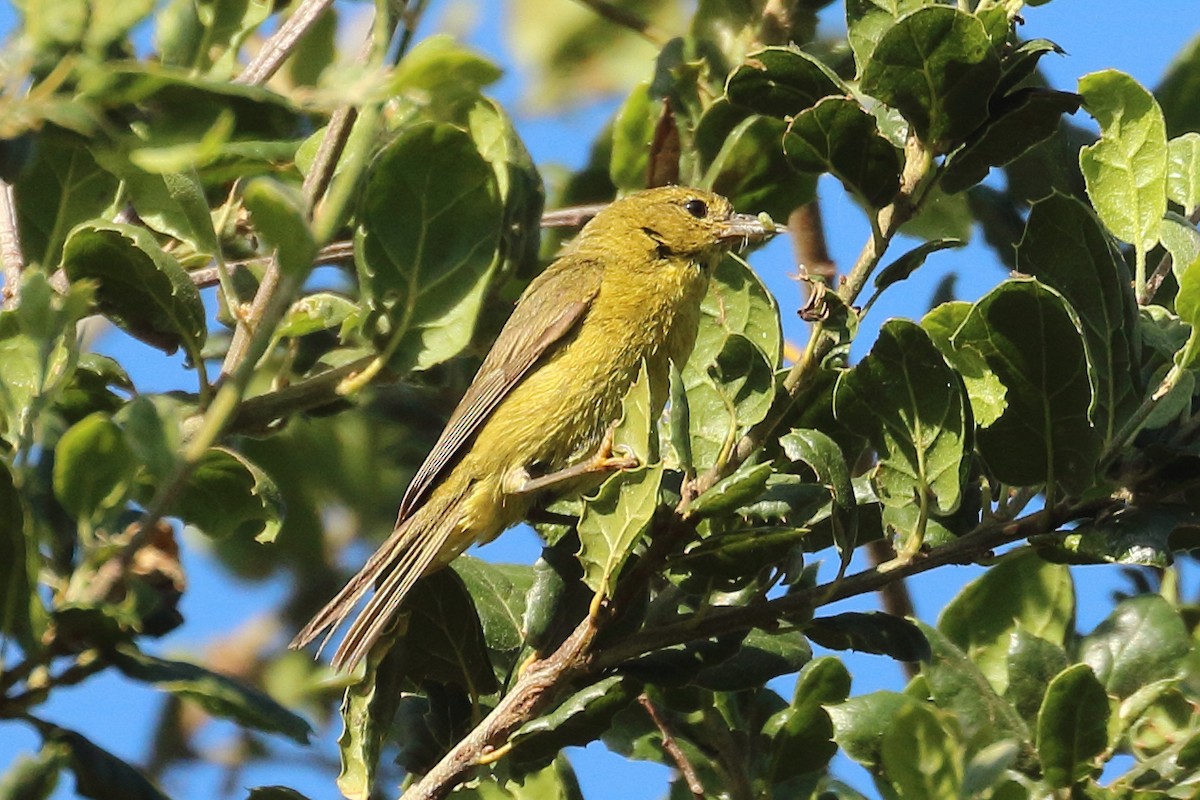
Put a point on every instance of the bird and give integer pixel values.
(537, 418)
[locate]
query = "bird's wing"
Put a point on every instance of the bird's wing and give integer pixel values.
(547, 313)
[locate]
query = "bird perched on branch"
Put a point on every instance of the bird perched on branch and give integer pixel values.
(539, 413)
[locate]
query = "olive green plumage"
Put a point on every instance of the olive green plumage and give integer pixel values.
(627, 290)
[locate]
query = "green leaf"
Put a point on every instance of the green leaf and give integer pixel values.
(319, 311)
(860, 723)
(93, 467)
(442, 77)
(825, 458)
(228, 495)
(33, 778)
(499, 592)
(744, 486)
(870, 632)
(1145, 536)
(1183, 171)
(636, 431)
(910, 403)
(837, 136)
(280, 216)
(1141, 641)
(988, 768)
(172, 203)
(868, 20)
(937, 67)
(428, 275)
(919, 757)
(1021, 592)
(98, 773)
(139, 286)
(781, 82)
(367, 710)
(578, 720)
(63, 187)
(910, 262)
(761, 657)
(1187, 306)
(19, 565)
(729, 378)
(1032, 663)
(1022, 63)
(1029, 337)
(632, 134)
(957, 685)
(984, 389)
(217, 694)
(801, 735)
(1065, 248)
(1017, 123)
(1126, 169)
(444, 640)
(1182, 241)
(1072, 726)
(613, 522)
(743, 160)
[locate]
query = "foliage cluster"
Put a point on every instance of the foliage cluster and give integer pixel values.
(186, 199)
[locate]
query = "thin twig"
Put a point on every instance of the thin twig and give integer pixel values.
(277, 48)
(11, 256)
(260, 412)
(673, 749)
(1154, 282)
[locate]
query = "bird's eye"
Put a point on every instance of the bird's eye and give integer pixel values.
(697, 208)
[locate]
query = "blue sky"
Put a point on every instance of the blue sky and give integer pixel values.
(1138, 37)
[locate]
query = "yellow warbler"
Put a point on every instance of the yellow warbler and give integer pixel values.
(535, 417)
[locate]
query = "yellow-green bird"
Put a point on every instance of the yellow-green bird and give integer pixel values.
(626, 290)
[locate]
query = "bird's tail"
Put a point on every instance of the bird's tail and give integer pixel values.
(393, 569)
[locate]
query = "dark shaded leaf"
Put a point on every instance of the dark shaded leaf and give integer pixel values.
(228, 495)
(577, 720)
(1072, 726)
(761, 657)
(781, 82)
(910, 262)
(837, 136)
(1141, 641)
(801, 735)
(870, 632)
(93, 467)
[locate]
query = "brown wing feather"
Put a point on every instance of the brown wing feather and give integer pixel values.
(549, 310)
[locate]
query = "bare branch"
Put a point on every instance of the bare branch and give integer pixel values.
(673, 749)
(276, 49)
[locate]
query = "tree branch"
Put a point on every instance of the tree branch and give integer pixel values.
(276, 49)
(11, 256)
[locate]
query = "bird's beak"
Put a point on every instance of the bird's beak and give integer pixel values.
(748, 228)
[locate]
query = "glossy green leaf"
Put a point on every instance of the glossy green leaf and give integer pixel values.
(1140, 642)
(1183, 171)
(868, 20)
(1028, 336)
(62, 188)
(93, 467)
(228, 495)
(1021, 592)
(938, 68)
(957, 685)
(987, 770)
(870, 632)
(19, 565)
(280, 216)
(577, 720)
(910, 262)
(984, 389)
(613, 522)
(729, 378)
(744, 486)
(825, 458)
(368, 709)
(743, 161)
(781, 82)
(919, 756)
(139, 286)
(1182, 241)
(1138, 536)
(860, 723)
(499, 592)
(910, 403)
(1022, 62)
(801, 735)
(444, 639)
(761, 657)
(1065, 248)
(429, 275)
(637, 431)
(837, 136)
(1017, 123)
(99, 774)
(633, 132)
(1032, 662)
(1072, 726)
(217, 694)
(1126, 170)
